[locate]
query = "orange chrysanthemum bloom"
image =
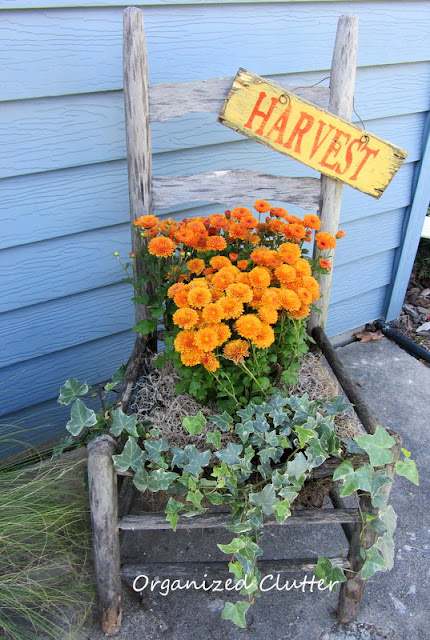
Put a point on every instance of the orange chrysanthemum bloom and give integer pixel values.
(181, 298)
(240, 212)
(175, 288)
(294, 285)
(196, 266)
(185, 318)
(304, 295)
(191, 357)
(195, 283)
(278, 212)
(340, 234)
(146, 222)
(218, 221)
(239, 291)
(269, 315)
(325, 240)
(249, 222)
(237, 231)
(242, 264)
(324, 264)
(289, 300)
(236, 350)
(210, 363)
(289, 252)
(215, 243)
(254, 238)
(232, 308)
(285, 273)
(248, 326)
(261, 206)
(259, 277)
(217, 294)
(223, 278)
(302, 267)
(312, 221)
(303, 312)
(197, 226)
(243, 278)
(184, 340)
(161, 247)
(257, 298)
(186, 236)
(218, 262)
(270, 298)
(310, 283)
(277, 226)
(265, 337)
(233, 256)
(296, 231)
(223, 331)
(213, 313)
(206, 339)
(199, 297)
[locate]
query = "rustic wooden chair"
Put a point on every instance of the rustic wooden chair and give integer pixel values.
(145, 104)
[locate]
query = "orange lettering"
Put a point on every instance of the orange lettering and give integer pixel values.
(261, 114)
(300, 131)
(369, 152)
(334, 148)
(349, 157)
(317, 143)
(280, 125)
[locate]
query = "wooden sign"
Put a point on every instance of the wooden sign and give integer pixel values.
(269, 114)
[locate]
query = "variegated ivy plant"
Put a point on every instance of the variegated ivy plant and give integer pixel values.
(274, 446)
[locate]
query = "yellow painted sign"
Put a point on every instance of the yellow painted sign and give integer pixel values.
(282, 121)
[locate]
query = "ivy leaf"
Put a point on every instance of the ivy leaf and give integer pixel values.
(352, 446)
(132, 457)
(194, 424)
(282, 510)
(195, 497)
(180, 457)
(236, 612)
(336, 405)
(140, 479)
(304, 435)
(146, 326)
(379, 479)
(155, 448)
(264, 498)
(173, 507)
(297, 467)
(214, 437)
(72, 389)
(234, 546)
(315, 453)
(385, 544)
(223, 422)
(241, 527)
(408, 469)
(231, 454)
(117, 379)
(196, 460)
(289, 493)
(377, 446)
(236, 569)
(353, 479)
(373, 563)
(160, 480)
(328, 573)
(80, 417)
(123, 422)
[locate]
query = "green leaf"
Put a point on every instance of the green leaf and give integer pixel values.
(196, 460)
(282, 510)
(223, 422)
(353, 479)
(264, 498)
(328, 573)
(140, 479)
(236, 569)
(160, 480)
(214, 437)
(194, 424)
(236, 612)
(80, 417)
(117, 379)
(195, 497)
(379, 479)
(234, 546)
(241, 527)
(231, 454)
(132, 457)
(123, 422)
(146, 326)
(304, 435)
(373, 563)
(71, 390)
(173, 508)
(297, 467)
(157, 312)
(155, 448)
(377, 446)
(408, 469)
(336, 405)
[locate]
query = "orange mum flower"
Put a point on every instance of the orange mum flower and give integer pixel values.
(242, 264)
(257, 298)
(302, 267)
(325, 240)
(223, 331)
(303, 312)
(213, 313)
(269, 315)
(184, 340)
(254, 238)
(248, 326)
(236, 350)
(262, 206)
(243, 278)
(206, 339)
(259, 277)
(324, 264)
(210, 363)
(285, 273)
(218, 262)
(218, 221)
(146, 222)
(198, 282)
(310, 283)
(312, 221)
(175, 288)
(278, 212)
(181, 298)
(217, 294)
(223, 278)
(232, 308)
(270, 298)
(199, 297)
(340, 234)
(296, 231)
(215, 243)
(185, 318)
(233, 256)
(240, 212)
(191, 357)
(265, 337)
(304, 295)
(289, 300)
(196, 266)
(186, 236)
(240, 292)
(276, 225)
(237, 231)
(289, 252)
(161, 247)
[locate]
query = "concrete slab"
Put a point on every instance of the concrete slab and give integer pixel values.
(396, 604)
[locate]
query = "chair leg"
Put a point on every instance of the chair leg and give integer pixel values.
(104, 520)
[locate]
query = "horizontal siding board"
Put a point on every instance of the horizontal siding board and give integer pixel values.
(28, 383)
(54, 4)
(352, 279)
(35, 137)
(61, 267)
(356, 311)
(195, 42)
(44, 328)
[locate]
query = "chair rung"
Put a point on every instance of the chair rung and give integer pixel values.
(155, 521)
(179, 569)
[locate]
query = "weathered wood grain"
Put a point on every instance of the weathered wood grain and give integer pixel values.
(157, 521)
(104, 515)
(342, 83)
(233, 187)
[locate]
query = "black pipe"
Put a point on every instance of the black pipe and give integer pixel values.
(408, 345)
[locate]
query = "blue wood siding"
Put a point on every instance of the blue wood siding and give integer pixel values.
(64, 208)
